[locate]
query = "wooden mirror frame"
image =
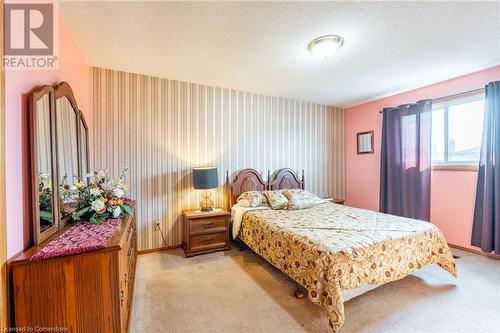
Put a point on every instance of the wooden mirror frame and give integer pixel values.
(60, 90)
(35, 96)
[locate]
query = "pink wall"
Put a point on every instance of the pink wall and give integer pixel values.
(72, 68)
(452, 192)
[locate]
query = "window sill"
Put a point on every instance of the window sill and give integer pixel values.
(455, 167)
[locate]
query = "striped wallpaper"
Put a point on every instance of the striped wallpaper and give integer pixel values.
(161, 128)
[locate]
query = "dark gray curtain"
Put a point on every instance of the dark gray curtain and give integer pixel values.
(405, 167)
(486, 224)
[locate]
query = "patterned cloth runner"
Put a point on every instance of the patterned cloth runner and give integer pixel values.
(79, 238)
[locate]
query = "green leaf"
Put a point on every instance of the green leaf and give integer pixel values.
(128, 210)
(83, 211)
(94, 219)
(46, 215)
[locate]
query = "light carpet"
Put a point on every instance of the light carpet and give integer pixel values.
(237, 291)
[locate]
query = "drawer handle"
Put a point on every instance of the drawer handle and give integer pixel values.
(129, 251)
(208, 240)
(122, 298)
(208, 225)
(126, 278)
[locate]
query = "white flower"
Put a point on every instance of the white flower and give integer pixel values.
(95, 192)
(105, 187)
(98, 205)
(101, 174)
(73, 188)
(118, 192)
(117, 211)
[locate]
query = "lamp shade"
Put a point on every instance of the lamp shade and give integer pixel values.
(205, 178)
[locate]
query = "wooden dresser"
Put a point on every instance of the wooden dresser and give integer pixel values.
(205, 232)
(90, 292)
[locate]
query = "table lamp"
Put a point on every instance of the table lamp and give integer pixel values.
(205, 178)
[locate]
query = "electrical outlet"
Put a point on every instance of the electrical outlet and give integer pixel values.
(157, 226)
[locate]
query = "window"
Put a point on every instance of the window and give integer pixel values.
(457, 128)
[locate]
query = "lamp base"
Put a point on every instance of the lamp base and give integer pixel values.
(206, 202)
(213, 210)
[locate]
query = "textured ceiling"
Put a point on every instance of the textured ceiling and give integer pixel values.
(262, 46)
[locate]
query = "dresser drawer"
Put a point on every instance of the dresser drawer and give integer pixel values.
(214, 224)
(208, 241)
(126, 269)
(130, 234)
(126, 253)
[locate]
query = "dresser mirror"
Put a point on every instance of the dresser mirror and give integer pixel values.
(43, 164)
(67, 140)
(59, 153)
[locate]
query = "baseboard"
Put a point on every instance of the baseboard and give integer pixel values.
(490, 255)
(159, 249)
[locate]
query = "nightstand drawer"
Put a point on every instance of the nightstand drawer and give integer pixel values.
(208, 225)
(203, 242)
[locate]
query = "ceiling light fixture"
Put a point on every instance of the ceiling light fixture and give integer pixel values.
(325, 46)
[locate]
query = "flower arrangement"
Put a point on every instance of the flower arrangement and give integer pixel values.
(102, 198)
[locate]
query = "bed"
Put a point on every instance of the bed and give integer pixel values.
(332, 249)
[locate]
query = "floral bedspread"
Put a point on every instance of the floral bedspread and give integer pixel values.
(329, 248)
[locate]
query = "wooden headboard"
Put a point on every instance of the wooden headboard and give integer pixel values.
(287, 179)
(246, 180)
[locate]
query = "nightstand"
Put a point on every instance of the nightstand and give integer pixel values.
(205, 232)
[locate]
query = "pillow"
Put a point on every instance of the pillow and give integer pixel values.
(287, 192)
(276, 199)
(300, 199)
(244, 203)
(251, 199)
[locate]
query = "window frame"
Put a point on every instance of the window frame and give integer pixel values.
(445, 104)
